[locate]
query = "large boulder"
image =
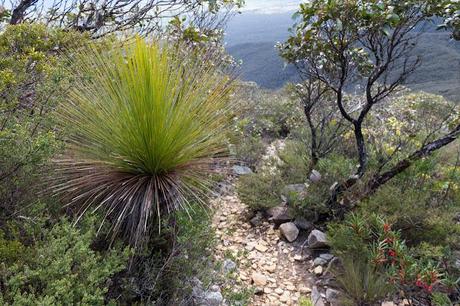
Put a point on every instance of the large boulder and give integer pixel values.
(289, 231)
(317, 240)
(279, 215)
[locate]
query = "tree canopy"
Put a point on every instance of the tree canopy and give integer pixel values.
(103, 17)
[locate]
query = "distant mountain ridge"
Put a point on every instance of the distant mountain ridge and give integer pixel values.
(252, 39)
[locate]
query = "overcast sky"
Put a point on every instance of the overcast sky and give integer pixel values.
(271, 6)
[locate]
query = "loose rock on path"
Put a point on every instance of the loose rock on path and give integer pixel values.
(276, 269)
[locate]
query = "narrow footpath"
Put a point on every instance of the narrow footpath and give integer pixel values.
(256, 257)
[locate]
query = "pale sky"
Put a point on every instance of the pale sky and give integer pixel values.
(271, 6)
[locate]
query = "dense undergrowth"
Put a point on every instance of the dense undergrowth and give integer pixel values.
(108, 152)
(46, 256)
(405, 234)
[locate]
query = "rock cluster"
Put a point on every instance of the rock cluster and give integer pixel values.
(325, 289)
(203, 297)
(264, 259)
(266, 254)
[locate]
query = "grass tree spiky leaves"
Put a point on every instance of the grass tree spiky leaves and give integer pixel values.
(147, 125)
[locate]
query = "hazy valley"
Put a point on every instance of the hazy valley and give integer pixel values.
(251, 38)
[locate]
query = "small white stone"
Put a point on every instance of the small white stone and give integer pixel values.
(259, 279)
(298, 257)
(318, 270)
(261, 248)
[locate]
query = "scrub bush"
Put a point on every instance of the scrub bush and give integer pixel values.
(62, 268)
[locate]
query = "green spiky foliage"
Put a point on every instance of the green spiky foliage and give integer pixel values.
(146, 128)
(362, 284)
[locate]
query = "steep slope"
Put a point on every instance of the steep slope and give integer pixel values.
(261, 64)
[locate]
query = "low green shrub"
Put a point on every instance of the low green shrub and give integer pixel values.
(441, 299)
(263, 117)
(268, 114)
(303, 301)
(163, 272)
(249, 150)
(62, 268)
(333, 169)
(11, 250)
(428, 194)
(260, 190)
(362, 284)
(295, 162)
(33, 81)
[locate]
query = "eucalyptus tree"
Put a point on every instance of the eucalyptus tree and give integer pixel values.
(101, 17)
(450, 11)
(366, 47)
(325, 124)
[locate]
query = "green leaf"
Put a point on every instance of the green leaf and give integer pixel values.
(386, 30)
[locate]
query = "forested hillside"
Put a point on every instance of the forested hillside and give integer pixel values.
(262, 64)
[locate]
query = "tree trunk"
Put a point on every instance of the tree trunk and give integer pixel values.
(18, 13)
(314, 150)
(380, 179)
(361, 148)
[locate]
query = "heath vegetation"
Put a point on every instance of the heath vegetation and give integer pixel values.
(118, 119)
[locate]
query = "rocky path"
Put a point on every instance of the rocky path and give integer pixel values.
(257, 258)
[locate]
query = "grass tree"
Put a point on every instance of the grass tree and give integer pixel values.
(147, 126)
